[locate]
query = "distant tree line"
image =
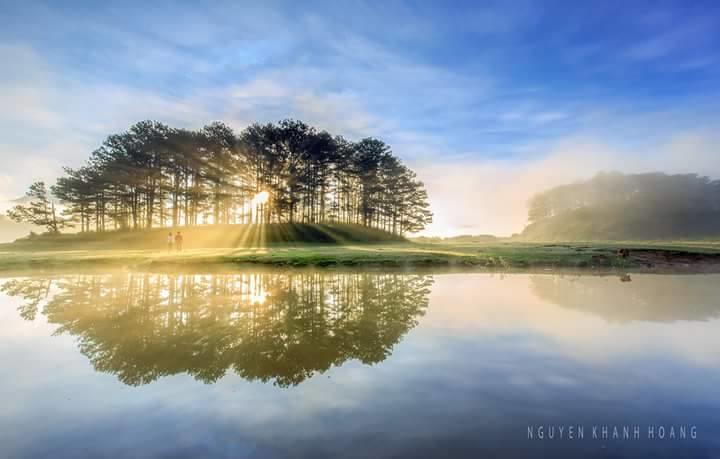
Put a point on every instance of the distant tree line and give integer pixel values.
(613, 205)
(653, 191)
(154, 175)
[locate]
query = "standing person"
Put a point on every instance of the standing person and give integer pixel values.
(178, 241)
(169, 242)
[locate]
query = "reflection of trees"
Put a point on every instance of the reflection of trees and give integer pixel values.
(279, 327)
(33, 291)
(655, 298)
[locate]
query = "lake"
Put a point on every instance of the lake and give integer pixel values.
(360, 365)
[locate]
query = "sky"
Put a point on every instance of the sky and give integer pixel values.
(489, 102)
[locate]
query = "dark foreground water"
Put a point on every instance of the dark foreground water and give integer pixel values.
(359, 365)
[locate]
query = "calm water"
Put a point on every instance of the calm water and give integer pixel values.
(359, 365)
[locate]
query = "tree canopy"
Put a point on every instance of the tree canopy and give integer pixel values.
(153, 175)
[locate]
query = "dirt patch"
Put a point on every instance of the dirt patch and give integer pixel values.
(661, 259)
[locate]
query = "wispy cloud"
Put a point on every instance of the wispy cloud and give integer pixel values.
(669, 37)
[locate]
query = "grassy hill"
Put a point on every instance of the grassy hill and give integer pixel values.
(211, 236)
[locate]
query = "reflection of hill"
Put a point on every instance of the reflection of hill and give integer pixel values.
(652, 298)
(279, 327)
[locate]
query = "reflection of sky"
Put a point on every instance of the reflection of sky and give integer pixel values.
(488, 358)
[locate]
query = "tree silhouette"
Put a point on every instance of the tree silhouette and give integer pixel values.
(39, 211)
(155, 176)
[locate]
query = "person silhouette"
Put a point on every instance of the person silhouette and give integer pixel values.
(178, 242)
(169, 242)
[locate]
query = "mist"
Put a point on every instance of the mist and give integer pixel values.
(491, 196)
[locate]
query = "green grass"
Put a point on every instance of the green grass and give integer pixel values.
(495, 255)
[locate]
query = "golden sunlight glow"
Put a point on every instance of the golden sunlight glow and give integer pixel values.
(258, 298)
(255, 210)
(261, 198)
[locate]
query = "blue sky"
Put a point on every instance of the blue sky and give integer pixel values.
(489, 101)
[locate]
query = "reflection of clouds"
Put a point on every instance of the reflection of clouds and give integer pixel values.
(587, 326)
(14, 328)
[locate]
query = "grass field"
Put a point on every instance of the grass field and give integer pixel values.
(407, 255)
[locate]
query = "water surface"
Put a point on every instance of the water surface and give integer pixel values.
(323, 364)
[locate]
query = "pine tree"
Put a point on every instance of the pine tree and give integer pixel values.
(39, 211)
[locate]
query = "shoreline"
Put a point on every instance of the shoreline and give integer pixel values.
(583, 259)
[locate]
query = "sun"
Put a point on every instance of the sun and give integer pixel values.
(258, 298)
(261, 198)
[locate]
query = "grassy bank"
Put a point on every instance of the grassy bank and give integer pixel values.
(698, 256)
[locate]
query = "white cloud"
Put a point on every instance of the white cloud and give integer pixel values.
(259, 88)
